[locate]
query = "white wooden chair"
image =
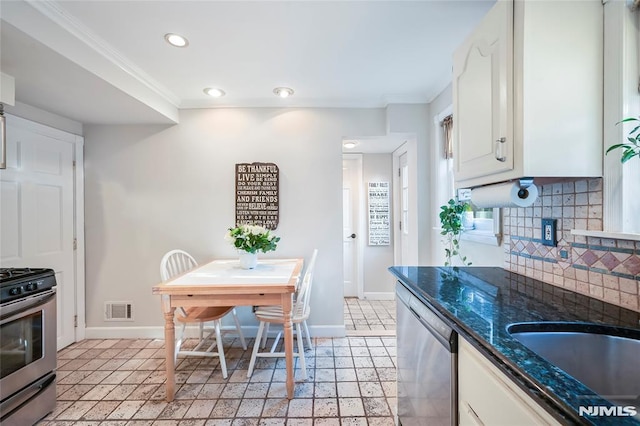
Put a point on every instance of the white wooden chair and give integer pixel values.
(177, 262)
(274, 315)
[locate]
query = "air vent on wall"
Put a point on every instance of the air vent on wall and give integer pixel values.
(118, 311)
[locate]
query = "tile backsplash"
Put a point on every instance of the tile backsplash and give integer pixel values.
(605, 269)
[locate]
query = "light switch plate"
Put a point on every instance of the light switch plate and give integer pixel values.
(548, 232)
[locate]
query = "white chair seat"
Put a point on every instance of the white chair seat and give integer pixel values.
(177, 262)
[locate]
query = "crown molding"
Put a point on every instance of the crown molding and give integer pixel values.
(52, 10)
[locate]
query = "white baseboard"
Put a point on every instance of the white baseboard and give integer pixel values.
(379, 295)
(192, 332)
(327, 330)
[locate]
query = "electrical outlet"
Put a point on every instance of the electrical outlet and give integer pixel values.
(548, 232)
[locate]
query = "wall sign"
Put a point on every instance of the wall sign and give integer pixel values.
(258, 194)
(379, 224)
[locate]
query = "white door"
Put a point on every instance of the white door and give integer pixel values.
(37, 212)
(351, 181)
(405, 226)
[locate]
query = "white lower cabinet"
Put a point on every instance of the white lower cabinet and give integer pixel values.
(487, 397)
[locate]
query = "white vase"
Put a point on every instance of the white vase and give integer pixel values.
(248, 260)
(467, 220)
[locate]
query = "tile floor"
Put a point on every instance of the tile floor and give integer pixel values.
(351, 381)
(369, 315)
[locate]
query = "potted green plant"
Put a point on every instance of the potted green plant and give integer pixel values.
(632, 147)
(249, 239)
(451, 228)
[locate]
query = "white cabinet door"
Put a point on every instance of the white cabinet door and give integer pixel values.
(527, 93)
(482, 91)
(37, 213)
(487, 397)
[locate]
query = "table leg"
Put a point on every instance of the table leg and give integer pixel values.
(170, 347)
(288, 343)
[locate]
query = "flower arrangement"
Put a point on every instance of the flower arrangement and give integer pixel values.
(252, 238)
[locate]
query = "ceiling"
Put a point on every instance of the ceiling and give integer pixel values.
(107, 61)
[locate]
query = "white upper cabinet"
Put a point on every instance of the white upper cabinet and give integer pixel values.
(527, 93)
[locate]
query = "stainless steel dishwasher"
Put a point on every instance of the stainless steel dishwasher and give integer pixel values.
(427, 364)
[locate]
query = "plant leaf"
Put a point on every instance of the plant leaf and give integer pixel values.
(628, 155)
(616, 146)
(627, 120)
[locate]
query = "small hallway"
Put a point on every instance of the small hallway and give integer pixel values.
(363, 317)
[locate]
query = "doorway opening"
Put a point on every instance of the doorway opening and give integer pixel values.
(372, 212)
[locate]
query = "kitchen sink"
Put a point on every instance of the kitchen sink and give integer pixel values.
(605, 359)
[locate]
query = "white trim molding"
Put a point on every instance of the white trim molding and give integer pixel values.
(380, 295)
(604, 234)
(55, 12)
(157, 332)
(621, 99)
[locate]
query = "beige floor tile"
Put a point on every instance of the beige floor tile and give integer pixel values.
(120, 392)
(351, 381)
(225, 408)
(175, 409)
(348, 389)
(302, 407)
(75, 392)
(256, 390)
(125, 410)
(272, 422)
(100, 410)
(250, 408)
(351, 407)
(325, 407)
(275, 407)
(76, 410)
(150, 410)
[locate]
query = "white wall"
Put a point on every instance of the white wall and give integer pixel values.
(378, 282)
(153, 188)
(413, 119)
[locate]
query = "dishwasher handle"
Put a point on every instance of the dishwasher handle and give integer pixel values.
(441, 331)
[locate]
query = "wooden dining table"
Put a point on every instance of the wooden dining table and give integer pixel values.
(224, 283)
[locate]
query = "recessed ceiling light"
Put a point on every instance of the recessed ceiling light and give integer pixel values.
(213, 92)
(350, 144)
(283, 92)
(176, 40)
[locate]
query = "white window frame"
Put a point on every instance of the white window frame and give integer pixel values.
(621, 100)
(444, 170)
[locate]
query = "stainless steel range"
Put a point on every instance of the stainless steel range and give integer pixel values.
(27, 345)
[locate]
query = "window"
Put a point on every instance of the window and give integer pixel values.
(486, 226)
(622, 99)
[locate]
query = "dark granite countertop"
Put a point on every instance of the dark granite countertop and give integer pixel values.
(480, 302)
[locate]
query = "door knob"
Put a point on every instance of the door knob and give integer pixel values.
(351, 236)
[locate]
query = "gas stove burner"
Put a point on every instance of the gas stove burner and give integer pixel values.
(14, 272)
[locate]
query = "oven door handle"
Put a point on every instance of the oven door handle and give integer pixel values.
(13, 309)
